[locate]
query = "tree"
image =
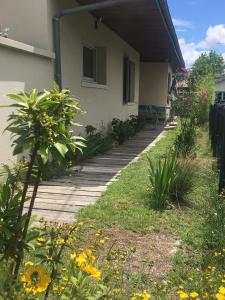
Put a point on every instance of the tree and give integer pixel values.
(207, 64)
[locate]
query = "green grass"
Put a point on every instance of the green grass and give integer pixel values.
(125, 204)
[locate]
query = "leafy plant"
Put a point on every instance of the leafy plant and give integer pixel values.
(183, 182)
(122, 130)
(185, 139)
(40, 126)
(162, 175)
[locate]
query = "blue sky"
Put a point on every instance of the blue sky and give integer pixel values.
(200, 26)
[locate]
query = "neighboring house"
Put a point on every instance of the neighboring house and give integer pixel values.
(220, 89)
(182, 88)
(114, 59)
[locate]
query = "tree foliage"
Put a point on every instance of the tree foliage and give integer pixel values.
(207, 64)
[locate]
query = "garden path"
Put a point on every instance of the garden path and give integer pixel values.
(58, 200)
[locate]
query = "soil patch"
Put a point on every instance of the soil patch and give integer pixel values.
(149, 254)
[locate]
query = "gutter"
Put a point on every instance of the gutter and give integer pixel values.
(173, 37)
(56, 29)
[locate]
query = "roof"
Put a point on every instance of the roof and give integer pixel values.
(181, 84)
(146, 25)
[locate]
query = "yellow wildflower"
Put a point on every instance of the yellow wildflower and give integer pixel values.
(29, 263)
(102, 242)
(92, 271)
(70, 241)
(220, 296)
(40, 240)
(182, 294)
(194, 295)
(35, 279)
(142, 295)
(222, 290)
(60, 242)
(81, 259)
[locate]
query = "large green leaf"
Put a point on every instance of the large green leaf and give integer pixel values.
(62, 149)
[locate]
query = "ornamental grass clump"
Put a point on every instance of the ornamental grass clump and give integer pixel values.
(162, 174)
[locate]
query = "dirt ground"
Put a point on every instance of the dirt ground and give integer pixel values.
(149, 254)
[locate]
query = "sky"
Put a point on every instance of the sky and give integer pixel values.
(200, 26)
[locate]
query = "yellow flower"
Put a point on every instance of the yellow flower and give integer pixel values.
(92, 271)
(222, 290)
(70, 241)
(35, 279)
(59, 242)
(102, 242)
(182, 294)
(142, 295)
(29, 263)
(40, 240)
(81, 259)
(220, 296)
(91, 257)
(194, 295)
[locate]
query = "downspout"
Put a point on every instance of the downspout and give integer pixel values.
(179, 56)
(56, 29)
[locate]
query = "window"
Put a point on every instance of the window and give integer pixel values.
(94, 64)
(128, 80)
(89, 63)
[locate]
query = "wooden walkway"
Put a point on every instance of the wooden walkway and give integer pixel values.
(58, 200)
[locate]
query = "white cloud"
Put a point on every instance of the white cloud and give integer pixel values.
(189, 51)
(215, 36)
(182, 23)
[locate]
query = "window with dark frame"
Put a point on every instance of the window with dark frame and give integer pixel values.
(89, 63)
(128, 80)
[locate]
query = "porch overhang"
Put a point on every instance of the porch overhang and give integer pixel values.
(146, 25)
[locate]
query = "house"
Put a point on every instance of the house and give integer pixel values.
(220, 89)
(116, 56)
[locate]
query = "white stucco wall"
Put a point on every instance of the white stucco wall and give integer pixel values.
(27, 20)
(105, 103)
(220, 86)
(154, 83)
(19, 71)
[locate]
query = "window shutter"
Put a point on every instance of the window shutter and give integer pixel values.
(132, 81)
(101, 76)
(126, 76)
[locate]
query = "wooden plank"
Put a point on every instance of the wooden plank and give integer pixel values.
(65, 197)
(54, 216)
(57, 207)
(68, 193)
(62, 188)
(77, 202)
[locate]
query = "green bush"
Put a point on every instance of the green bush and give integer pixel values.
(96, 142)
(122, 130)
(185, 138)
(183, 182)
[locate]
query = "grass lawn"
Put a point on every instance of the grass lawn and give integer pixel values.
(176, 236)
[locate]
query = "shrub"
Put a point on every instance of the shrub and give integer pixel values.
(96, 142)
(183, 182)
(41, 127)
(162, 176)
(122, 130)
(185, 138)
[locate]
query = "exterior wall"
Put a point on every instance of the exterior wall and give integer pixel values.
(102, 103)
(154, 83)
(27, 20)
(19, 71)
(220, 86)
